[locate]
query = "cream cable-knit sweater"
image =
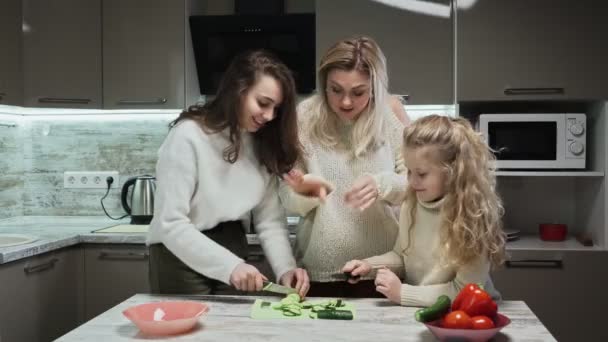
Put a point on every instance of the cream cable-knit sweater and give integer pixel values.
(426, 278)
(331, 233)
(197, 189)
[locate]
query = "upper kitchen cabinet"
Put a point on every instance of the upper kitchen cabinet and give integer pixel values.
(143, 54)
(11, 71)
(524, 50)
(417, 40)
(62, 53)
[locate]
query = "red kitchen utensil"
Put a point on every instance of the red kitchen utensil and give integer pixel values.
(553, 231)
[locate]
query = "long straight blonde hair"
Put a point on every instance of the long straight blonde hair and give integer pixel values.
(362, 54)
(472, 211)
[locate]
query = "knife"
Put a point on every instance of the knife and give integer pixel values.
(348, 276)
(276, 288)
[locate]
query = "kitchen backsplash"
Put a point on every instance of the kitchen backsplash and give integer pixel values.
(38, 145)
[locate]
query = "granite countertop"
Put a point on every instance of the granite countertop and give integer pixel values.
(55, 232)
(228, 320)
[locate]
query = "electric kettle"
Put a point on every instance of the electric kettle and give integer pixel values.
(141, 208)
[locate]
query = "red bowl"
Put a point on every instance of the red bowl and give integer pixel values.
(166, 318)
(552, 231)
(445, 334)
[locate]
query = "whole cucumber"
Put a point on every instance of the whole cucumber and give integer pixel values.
(435, 311)
(335, 314)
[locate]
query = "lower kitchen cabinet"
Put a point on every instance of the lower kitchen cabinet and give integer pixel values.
(113, 273)
(567, 293)
(41, 297)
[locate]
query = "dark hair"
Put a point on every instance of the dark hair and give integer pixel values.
(276, 144)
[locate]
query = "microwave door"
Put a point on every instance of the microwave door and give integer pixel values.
(524, 144)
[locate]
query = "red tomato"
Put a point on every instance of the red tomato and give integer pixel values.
(482, 322)
(457, 320)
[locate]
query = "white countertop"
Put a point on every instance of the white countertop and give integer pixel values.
(228, 320)
(55, 232)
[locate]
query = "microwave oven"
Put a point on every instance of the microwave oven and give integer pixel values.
(536, 140)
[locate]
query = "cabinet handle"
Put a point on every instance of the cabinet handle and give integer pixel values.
(7, 124)
(534, 91)
(403, 98)
(123, 255)
(2, 95)
(41, 267)
(253, 256)
(160, 100)
(63, 100)
(534, 264)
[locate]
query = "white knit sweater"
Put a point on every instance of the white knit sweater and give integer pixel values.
(197, 189)
(426, 277)
(330, 234)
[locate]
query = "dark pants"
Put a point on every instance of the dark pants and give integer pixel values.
(169, 275)
(343, 289)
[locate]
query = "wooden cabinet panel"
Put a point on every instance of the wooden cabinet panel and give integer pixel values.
(143, 54)
(418, 45)
(522, 50)
(113, 273)
(11, 65)
(62, 53)
(42, 296)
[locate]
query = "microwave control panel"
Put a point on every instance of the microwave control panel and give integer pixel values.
(575, 135)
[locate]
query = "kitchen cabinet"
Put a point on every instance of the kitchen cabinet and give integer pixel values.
(41, 296)
(566, 291)
(11, 66)
(143, 54)
(62, 53)
(522, 50)
(113, 273)
(418, 45)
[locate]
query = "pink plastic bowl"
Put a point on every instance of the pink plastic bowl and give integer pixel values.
(444, 334)
(166, 318)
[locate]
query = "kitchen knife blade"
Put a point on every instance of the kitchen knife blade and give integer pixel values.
(276, 288)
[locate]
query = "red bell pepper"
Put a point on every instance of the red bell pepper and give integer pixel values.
(475, 302)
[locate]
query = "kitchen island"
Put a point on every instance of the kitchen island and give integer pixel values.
(228, 320)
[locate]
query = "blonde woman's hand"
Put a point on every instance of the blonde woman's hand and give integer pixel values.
(363, 193)
(297, 279)
(389, 285)
(245, 277)
(307, 184)
(357, 269)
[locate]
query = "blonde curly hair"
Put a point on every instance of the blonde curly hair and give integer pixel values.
(471, 223)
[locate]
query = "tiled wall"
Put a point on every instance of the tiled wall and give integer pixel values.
(11, 167)
(51, 144)
(38, 145)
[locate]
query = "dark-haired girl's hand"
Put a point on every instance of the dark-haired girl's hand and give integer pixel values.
(246, 277)
(298, 279)
(363, 193)
(307, 184)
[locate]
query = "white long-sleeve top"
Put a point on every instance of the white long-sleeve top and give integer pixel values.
(426, 276)
(197, 189)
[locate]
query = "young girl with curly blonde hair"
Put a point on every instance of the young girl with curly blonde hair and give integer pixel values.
(450, 223)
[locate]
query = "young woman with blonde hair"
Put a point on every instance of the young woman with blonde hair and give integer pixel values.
(450, 224)
(351, 171)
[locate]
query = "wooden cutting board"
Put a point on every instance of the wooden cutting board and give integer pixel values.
(259, 311)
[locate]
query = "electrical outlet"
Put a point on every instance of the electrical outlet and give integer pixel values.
(89, 179)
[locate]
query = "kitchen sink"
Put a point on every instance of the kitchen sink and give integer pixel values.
(7, 240)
